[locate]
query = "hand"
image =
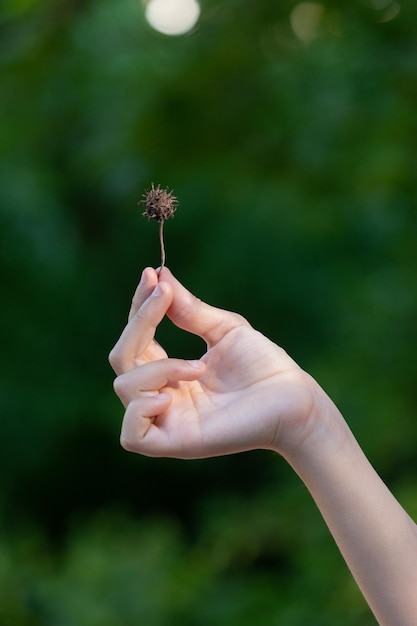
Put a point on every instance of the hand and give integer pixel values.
(244, 393)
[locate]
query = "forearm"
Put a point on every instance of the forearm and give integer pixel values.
(375, 535)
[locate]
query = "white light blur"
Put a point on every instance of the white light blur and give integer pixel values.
(306, 20)
(391, 12)
(380, 4)
(172, 17)
(389, 9)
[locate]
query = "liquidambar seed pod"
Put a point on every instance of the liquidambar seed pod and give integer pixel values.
(160, 205)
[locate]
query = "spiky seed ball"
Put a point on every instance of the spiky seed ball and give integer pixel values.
(160, 203)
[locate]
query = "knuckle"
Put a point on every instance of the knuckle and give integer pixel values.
(239, 319)
(145, 320)
(126, 443)
(119, 385)
(114, 358)
(141, 315)
(187, 305)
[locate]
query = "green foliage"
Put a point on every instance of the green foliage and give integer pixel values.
(249, 563)
(294, 165)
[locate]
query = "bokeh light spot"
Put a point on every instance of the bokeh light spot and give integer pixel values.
(172, 17)
(306, 19)
(391, 12)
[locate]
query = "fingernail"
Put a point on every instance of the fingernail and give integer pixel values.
(162, 397)
(157, 291)
(195, 363)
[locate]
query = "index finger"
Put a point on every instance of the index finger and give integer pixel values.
(140, 330)
(147, 284)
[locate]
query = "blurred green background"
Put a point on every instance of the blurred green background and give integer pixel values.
(288, 131)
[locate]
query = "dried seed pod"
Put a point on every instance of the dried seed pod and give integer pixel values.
(160, 205)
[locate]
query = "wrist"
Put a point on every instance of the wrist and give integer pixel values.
(322, 436)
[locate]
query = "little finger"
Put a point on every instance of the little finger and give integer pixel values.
(139, 417)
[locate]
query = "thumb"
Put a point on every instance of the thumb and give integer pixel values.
(197, 317)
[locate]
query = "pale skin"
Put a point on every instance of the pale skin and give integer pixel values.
(246, 393)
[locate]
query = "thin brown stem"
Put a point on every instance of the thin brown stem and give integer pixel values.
(161, 241)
